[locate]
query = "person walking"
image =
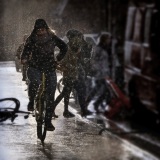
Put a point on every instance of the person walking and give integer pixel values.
(39, 54)
(18, 57)
(101, 69)
(73, 68)
(24, 66)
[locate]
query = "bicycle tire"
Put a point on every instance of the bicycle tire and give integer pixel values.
(15, 100)
(40, 118)
(4, 115)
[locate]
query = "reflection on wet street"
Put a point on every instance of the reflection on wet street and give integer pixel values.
(72, 139)
(75, 138)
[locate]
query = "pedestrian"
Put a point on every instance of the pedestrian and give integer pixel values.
(102, 57)
(73, 68)
(24, 66)
(18, 57)
(39, 53)
(101, 68)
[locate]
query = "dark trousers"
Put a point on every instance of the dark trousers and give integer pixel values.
(35, 79)
(69, 84)
(103, 95)
(24, 71)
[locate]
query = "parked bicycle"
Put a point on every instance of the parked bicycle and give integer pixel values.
(9, 109)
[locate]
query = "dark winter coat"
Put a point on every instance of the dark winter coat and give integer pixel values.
(40, 54)
(74, 64)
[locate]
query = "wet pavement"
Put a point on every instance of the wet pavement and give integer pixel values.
(74, 139)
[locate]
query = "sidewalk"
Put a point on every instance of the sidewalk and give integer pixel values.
(131, 132)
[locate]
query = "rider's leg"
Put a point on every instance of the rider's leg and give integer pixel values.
(34, 77)
(51, 81)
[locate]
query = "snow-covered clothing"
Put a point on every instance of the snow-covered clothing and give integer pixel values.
(42, 51)
(39, 51)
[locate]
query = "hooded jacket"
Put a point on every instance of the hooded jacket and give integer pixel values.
(73, 65)
(40, 53)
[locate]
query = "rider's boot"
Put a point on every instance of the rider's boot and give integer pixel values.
(50, 127)
(48, 124)
(67, 113)
(30, 105)
(48, 118)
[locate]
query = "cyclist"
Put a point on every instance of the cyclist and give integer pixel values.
(73, 68)
(39, 52)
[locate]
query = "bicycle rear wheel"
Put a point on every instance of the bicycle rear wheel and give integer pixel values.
(40, 117)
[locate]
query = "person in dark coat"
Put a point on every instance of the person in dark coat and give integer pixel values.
(18, 57)
(74, 73)
(39, 53)
(101, 67)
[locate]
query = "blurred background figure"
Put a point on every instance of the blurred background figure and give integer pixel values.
(24, 66)
(102, 57)
(17, 60)
(19, 66)
(101, 69)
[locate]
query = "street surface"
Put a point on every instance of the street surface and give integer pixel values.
(73, 139)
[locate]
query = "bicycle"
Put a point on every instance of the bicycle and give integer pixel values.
(9, 107)
(40, 111)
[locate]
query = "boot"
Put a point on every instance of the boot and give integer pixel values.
(30, 106)
(50, 127)
(85, 113)
(68, 114)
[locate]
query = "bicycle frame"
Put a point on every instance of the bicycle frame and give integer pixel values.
(40, 110)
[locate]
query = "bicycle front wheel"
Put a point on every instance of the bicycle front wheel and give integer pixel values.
(40, 117)
(41, 131)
